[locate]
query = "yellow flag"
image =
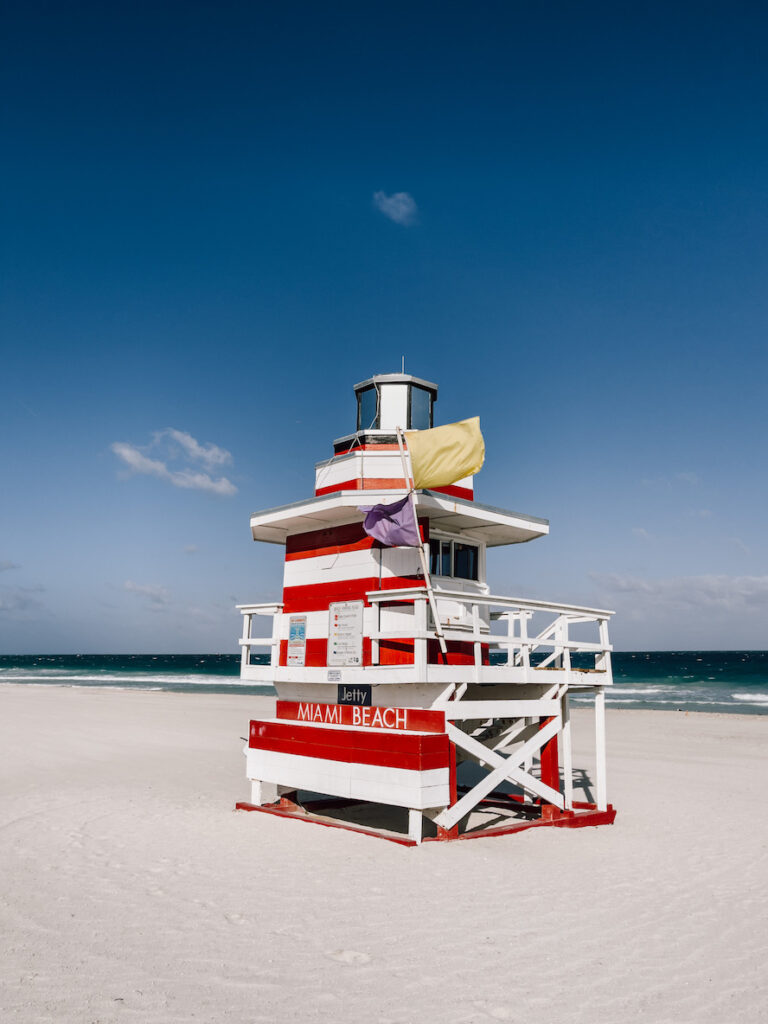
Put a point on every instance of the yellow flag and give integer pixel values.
(443, 455)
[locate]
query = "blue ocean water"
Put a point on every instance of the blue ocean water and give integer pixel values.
(734, 682)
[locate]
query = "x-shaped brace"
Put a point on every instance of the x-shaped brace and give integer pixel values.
(504, 769)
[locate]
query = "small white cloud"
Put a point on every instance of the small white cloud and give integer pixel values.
(5, 566)
(154, 593)
(641, 532)
(175, 448)
(733, 593)
(209, 454)
(190, 549)
(400, 207)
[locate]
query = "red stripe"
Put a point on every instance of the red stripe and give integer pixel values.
(413, 751)
(368, 448)
(389, 484)
(366, 483)
(416, 719)
(313, 539)
(316, 597)
(456, 492)
(337, 541)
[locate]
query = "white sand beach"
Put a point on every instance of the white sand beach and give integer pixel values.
(132, 892)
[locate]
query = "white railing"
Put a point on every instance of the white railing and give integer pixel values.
(530, 650)
(554, 644)
(247, 641)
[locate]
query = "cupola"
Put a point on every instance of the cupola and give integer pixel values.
(390, 400)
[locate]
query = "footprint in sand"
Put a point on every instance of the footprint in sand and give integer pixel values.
(349, 956)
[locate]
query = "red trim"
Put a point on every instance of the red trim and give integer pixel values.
(412, 719)
(351, 537)
(447, 834)
(365, 483)
(336, 541)
(315, 597)
(368, 448)
(372, 483)
(550, 771)
(456, 492)
(390, 749)
(589, 817)
(241, 805)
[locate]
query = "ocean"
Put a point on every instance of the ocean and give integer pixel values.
(733, 682)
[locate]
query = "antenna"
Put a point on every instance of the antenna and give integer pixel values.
(403, 369)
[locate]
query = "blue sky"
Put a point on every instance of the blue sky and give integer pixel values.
(217, 218)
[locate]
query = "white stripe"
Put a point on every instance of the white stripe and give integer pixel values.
(401, 787)
(369, 465)
(351, 565)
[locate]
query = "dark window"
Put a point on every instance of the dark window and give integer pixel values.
(445, 559)
(450, 558)
(421, 408)
(434, 558)
(368, 409)
(465, 561)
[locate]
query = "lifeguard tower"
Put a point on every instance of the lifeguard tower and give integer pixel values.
(401, 681)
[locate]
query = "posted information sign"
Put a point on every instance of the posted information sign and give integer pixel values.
(345, 633)
(297, 640)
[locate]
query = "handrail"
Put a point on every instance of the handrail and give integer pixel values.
(524, 604)
(552, 645)
(270, 608)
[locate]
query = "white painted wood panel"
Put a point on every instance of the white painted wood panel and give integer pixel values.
(397, 786)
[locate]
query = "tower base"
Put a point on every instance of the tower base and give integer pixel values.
(499, 814)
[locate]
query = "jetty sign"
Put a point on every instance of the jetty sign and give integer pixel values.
(393, 719)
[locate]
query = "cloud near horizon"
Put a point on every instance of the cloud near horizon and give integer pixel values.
(154, 593)
(179, 447)
(728, 593)
(400, 207)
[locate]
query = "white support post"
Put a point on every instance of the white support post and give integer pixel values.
(603, 660)
(415, 825)
(263, 793)
(567, 753)
(377, 629)
(478, 648)
(420, 640)
(602, 799)
(274, 659)
(525, 650)
(245, 654)
(566, 650)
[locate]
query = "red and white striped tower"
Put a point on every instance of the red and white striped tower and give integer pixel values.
(370, 707)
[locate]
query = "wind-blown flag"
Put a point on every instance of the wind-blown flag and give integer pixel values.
(443, 455)
(394, 525)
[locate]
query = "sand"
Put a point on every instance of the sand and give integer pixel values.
(131, 891)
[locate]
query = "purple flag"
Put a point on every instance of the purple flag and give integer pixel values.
(394, 524)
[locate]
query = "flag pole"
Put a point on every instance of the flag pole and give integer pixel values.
(422, 552)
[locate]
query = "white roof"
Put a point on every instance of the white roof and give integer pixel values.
(493, 526)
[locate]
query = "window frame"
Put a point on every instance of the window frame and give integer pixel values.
(377, 417)
(452, 540)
